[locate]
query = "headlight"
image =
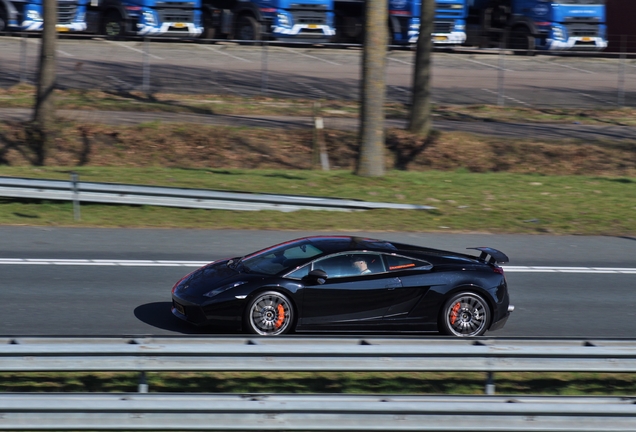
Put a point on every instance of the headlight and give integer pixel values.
(34, 15)
(283, 20)
(149, 17)
(218, 291)
(557, 32)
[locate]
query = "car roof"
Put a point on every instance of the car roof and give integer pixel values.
(334, 244)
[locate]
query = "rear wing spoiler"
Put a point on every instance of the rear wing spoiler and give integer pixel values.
(491, 255)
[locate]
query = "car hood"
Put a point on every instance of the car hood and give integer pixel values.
(208, 278)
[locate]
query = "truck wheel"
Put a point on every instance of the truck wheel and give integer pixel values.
(522, 42)
(209, 32)
(114, 26)
(248, 29)
(3, 20)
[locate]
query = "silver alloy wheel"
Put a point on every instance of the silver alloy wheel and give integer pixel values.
(466, 315)
(270, 314)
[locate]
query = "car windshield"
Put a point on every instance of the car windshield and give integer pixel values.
(280, 258)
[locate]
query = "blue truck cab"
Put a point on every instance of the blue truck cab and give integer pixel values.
(449, 26)
(115, 18)
(309, 20)
(528, 25)
(567, 24)
(27, 15)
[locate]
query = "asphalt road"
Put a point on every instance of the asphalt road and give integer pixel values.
(588, 293)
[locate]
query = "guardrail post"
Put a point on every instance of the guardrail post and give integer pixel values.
(76, 204)
(490, 384)
(143, 384)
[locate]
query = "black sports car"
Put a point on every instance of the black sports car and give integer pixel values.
(342, 283)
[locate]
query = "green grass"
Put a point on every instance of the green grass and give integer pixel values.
(464, 202)
(571, 384)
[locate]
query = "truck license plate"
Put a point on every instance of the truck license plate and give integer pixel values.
(179, 25)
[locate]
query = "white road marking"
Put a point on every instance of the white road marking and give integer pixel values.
(485, 64)
(506, 97)
(310, 56)
(170, 263)
(541, 269)
(133, 49)
(565, 66)
(224, 53)
(400, 61)
(102, 262)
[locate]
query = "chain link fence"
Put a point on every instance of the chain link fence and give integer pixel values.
(461, 76)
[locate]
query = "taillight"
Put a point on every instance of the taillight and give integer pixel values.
(498, 269)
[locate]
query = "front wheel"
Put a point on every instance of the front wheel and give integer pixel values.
(465, 315)
(248, 29)
(269, 314)
(522, 42)
(114, 25)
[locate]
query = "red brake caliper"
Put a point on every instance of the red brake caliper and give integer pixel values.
(280, 319)
(454, 313)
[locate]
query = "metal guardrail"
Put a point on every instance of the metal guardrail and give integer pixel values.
(322, 412)
(313, 413)
(180, 197)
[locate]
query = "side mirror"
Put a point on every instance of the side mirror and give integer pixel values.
(317, 277)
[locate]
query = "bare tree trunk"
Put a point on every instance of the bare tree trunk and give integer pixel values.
(420, 120)
(41, 129)
(371, 156)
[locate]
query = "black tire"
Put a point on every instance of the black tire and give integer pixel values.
(3, 20)
(522, 42)
(114, 25)
(248, 29)
(465, 315)
(269, 313)
(209, 32)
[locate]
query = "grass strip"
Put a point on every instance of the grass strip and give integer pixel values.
(570, 384)
(464, 202)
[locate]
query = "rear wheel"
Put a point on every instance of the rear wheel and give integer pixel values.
(269, 314)
(3, 19)
(521, 41)
(114, 25)
(248, 28)
(209, 32)
(465, 315)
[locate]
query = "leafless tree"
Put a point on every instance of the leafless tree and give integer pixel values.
(420, 120)
(41, 129)
(371, 156)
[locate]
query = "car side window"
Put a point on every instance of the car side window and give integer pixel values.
(300, 273)
(398, 262)
(351, 264)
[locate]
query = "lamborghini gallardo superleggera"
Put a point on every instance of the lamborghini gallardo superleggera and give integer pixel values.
(334, 284)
